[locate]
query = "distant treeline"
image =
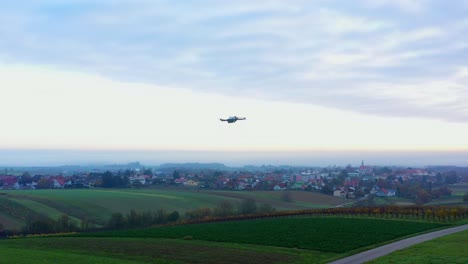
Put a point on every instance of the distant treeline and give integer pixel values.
(161, 217)
(227, 211)
(39, 224)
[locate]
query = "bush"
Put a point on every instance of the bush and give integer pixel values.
(286, 197)
(266, 208)
(173, 217)
(248, 206)
(465, 197)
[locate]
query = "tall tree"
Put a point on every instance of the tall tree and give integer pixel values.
(43, 184)
(108, 180)
(248, 206)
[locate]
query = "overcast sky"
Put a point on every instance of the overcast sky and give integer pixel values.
(314, 77)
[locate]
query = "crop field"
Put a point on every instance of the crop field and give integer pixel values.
(98, 205)
(325, 234)
(275, 240)
(128, 250)
(448, 249)
(459, 189)
(452, 200)
(8, 221)
(384, 201)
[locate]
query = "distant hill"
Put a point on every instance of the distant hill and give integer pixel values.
(461, 171)
(194, 166)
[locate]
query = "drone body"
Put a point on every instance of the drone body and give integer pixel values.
(232, 119)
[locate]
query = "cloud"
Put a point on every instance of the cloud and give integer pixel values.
(318, 52)
(46, 108)
(409, 6)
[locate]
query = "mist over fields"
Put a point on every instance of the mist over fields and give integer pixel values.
(239, 158)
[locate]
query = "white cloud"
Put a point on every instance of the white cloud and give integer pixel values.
(47, 108)
(317, 52)
(410, 6)
(341, 23)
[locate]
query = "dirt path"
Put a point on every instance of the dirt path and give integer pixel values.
(384, 250)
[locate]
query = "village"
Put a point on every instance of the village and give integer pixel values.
(421, 184)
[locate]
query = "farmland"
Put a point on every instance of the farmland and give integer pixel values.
(97, 205)
(314, 233)
(276, 240)
(459, 189)
(300, 232)
(127, 250)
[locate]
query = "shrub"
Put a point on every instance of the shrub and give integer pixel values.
(465, 197)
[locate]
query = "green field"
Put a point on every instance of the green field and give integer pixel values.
(459, 189)
(297, 239)
(384, 201)
(451, 200)
(97, 205)
(128, 250)
(448, 249)
(276, 240)
(314, 233)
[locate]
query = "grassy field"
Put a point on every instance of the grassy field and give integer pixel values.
(456, 199)
(383, 201)
(313, 233)
(130, 250)
(21, 255)
(448, 249)
(459, 189)
(278, 240)
(451, 200)
(98, 204)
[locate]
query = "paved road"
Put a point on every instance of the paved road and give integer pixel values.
(384, 250)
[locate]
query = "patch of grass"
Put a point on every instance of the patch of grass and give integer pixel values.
(27, 256)
(325, 234)
(9, 222)
(152, 250)
(14, 211)
(42, 208)
(447, 249)
(451, 200)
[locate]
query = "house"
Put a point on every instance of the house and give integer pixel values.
(143, 179)
(298, 186)
(181, 180)
(339, 193)
(58, 183)
(191, 183)
(31, 185)
(279, 187)
(9, 182)
(296, 178)
(386, 193)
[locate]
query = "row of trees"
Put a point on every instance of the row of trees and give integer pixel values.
(436, 214)
(141, 219)
(224, 208)
(228, 208)
(63, 224)
(225, 211)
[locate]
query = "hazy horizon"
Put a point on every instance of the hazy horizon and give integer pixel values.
(25, 158)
